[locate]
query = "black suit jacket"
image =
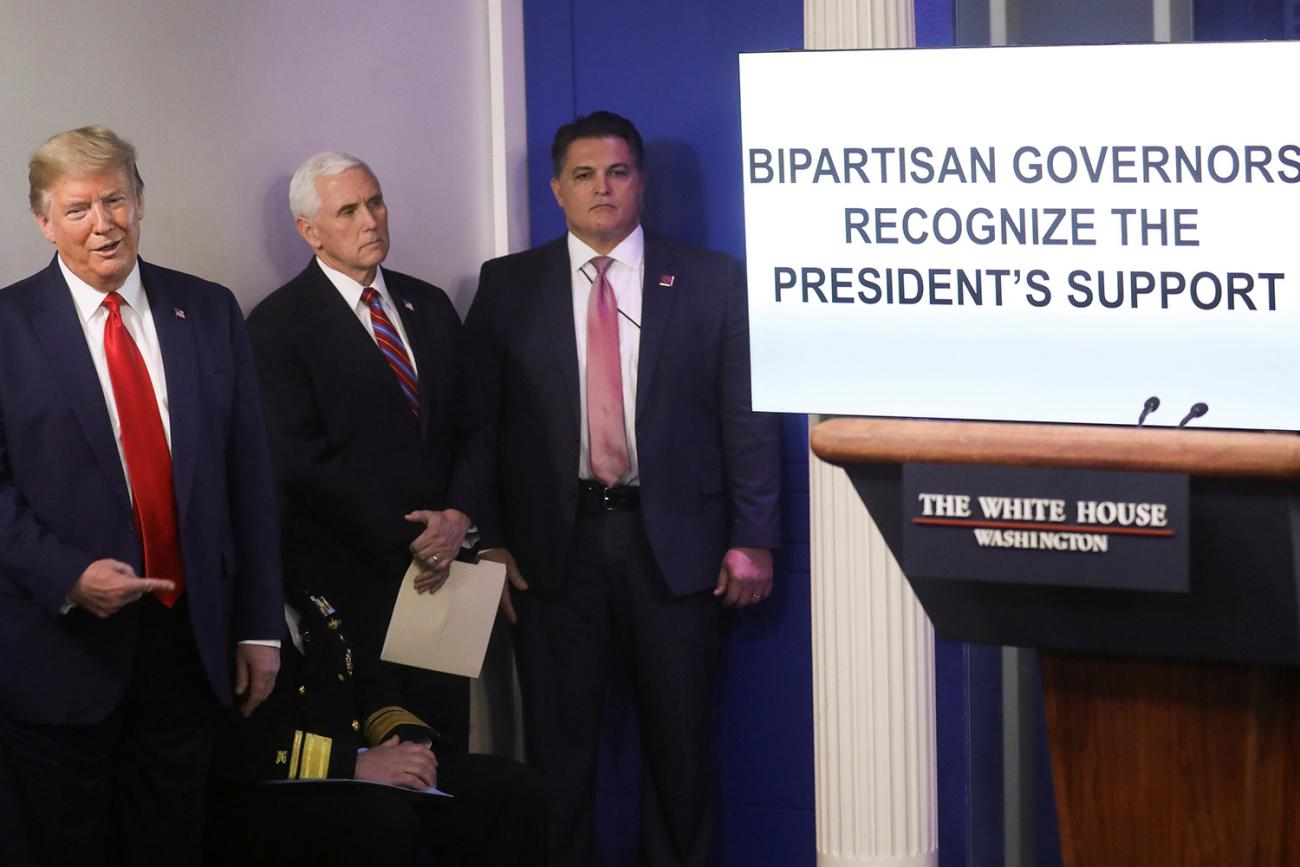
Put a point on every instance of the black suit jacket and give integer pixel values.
(351, 458)
(64, 500)
(709, 465)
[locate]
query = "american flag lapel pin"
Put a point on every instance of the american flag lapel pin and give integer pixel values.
(667, 280)
(409, 306)
(180, 314)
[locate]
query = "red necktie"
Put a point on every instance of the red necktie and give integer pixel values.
(390, 344)
(604, 380)
(148, 460)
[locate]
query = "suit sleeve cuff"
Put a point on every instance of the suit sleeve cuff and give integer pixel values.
(388, 720)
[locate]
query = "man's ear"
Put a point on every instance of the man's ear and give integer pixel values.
(555, 191)
(43, 222)
(308, 232)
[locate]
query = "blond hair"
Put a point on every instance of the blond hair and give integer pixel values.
(87, 149)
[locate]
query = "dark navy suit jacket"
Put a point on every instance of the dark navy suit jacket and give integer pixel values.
(351, 458)
(709, 466)
(64, 501)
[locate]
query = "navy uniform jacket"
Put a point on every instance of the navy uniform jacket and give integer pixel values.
(328, 701)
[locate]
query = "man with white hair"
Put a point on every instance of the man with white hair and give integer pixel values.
(359, 370)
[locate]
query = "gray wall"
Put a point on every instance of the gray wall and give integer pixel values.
(224, 99)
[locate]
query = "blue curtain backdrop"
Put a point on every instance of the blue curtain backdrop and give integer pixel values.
(1229, 20)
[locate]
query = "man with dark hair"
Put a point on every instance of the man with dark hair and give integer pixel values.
(597, 125)
(138, 531)
(360, 369)
(626, 483)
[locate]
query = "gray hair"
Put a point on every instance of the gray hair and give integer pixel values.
(87, 149)
(304, 201)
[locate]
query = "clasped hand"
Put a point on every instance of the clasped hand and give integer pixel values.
(437, 545)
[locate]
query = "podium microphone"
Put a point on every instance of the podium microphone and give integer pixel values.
(1152, 404)
(1197, 410)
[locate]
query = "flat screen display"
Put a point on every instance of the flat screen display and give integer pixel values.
(1037, 234)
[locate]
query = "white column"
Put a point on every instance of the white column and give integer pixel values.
(858, 24)
(509, 126)
(873, 646)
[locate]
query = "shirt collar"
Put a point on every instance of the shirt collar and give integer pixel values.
(351, 289)
(88, 299)
(630, 252)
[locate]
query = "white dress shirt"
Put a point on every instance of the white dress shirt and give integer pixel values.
(351, 291)
(626, 275)
(138, 319)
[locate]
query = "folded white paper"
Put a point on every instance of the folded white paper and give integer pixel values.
(447, 630)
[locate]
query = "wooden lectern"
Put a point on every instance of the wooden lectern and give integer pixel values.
(1174, 718)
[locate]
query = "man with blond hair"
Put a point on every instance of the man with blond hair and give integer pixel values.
(140, 581)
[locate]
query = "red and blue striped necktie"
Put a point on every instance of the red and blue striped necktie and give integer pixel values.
(390, 344)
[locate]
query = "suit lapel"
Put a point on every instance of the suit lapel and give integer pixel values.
(176, 341)
(58, 328)
(556, 285)
(656, 310)
(342, 333)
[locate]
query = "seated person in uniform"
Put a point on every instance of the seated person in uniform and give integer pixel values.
(335, 715)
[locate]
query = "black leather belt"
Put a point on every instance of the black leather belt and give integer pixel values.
(594, 498)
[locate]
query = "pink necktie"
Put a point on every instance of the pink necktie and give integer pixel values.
(604, 380)
(148, 460)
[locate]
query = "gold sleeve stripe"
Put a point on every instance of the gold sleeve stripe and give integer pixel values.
(315, 757)
(380, 724)
(294, 755)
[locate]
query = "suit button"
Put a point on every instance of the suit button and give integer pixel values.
(302, 690)
(341, 677)
(356, 726)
